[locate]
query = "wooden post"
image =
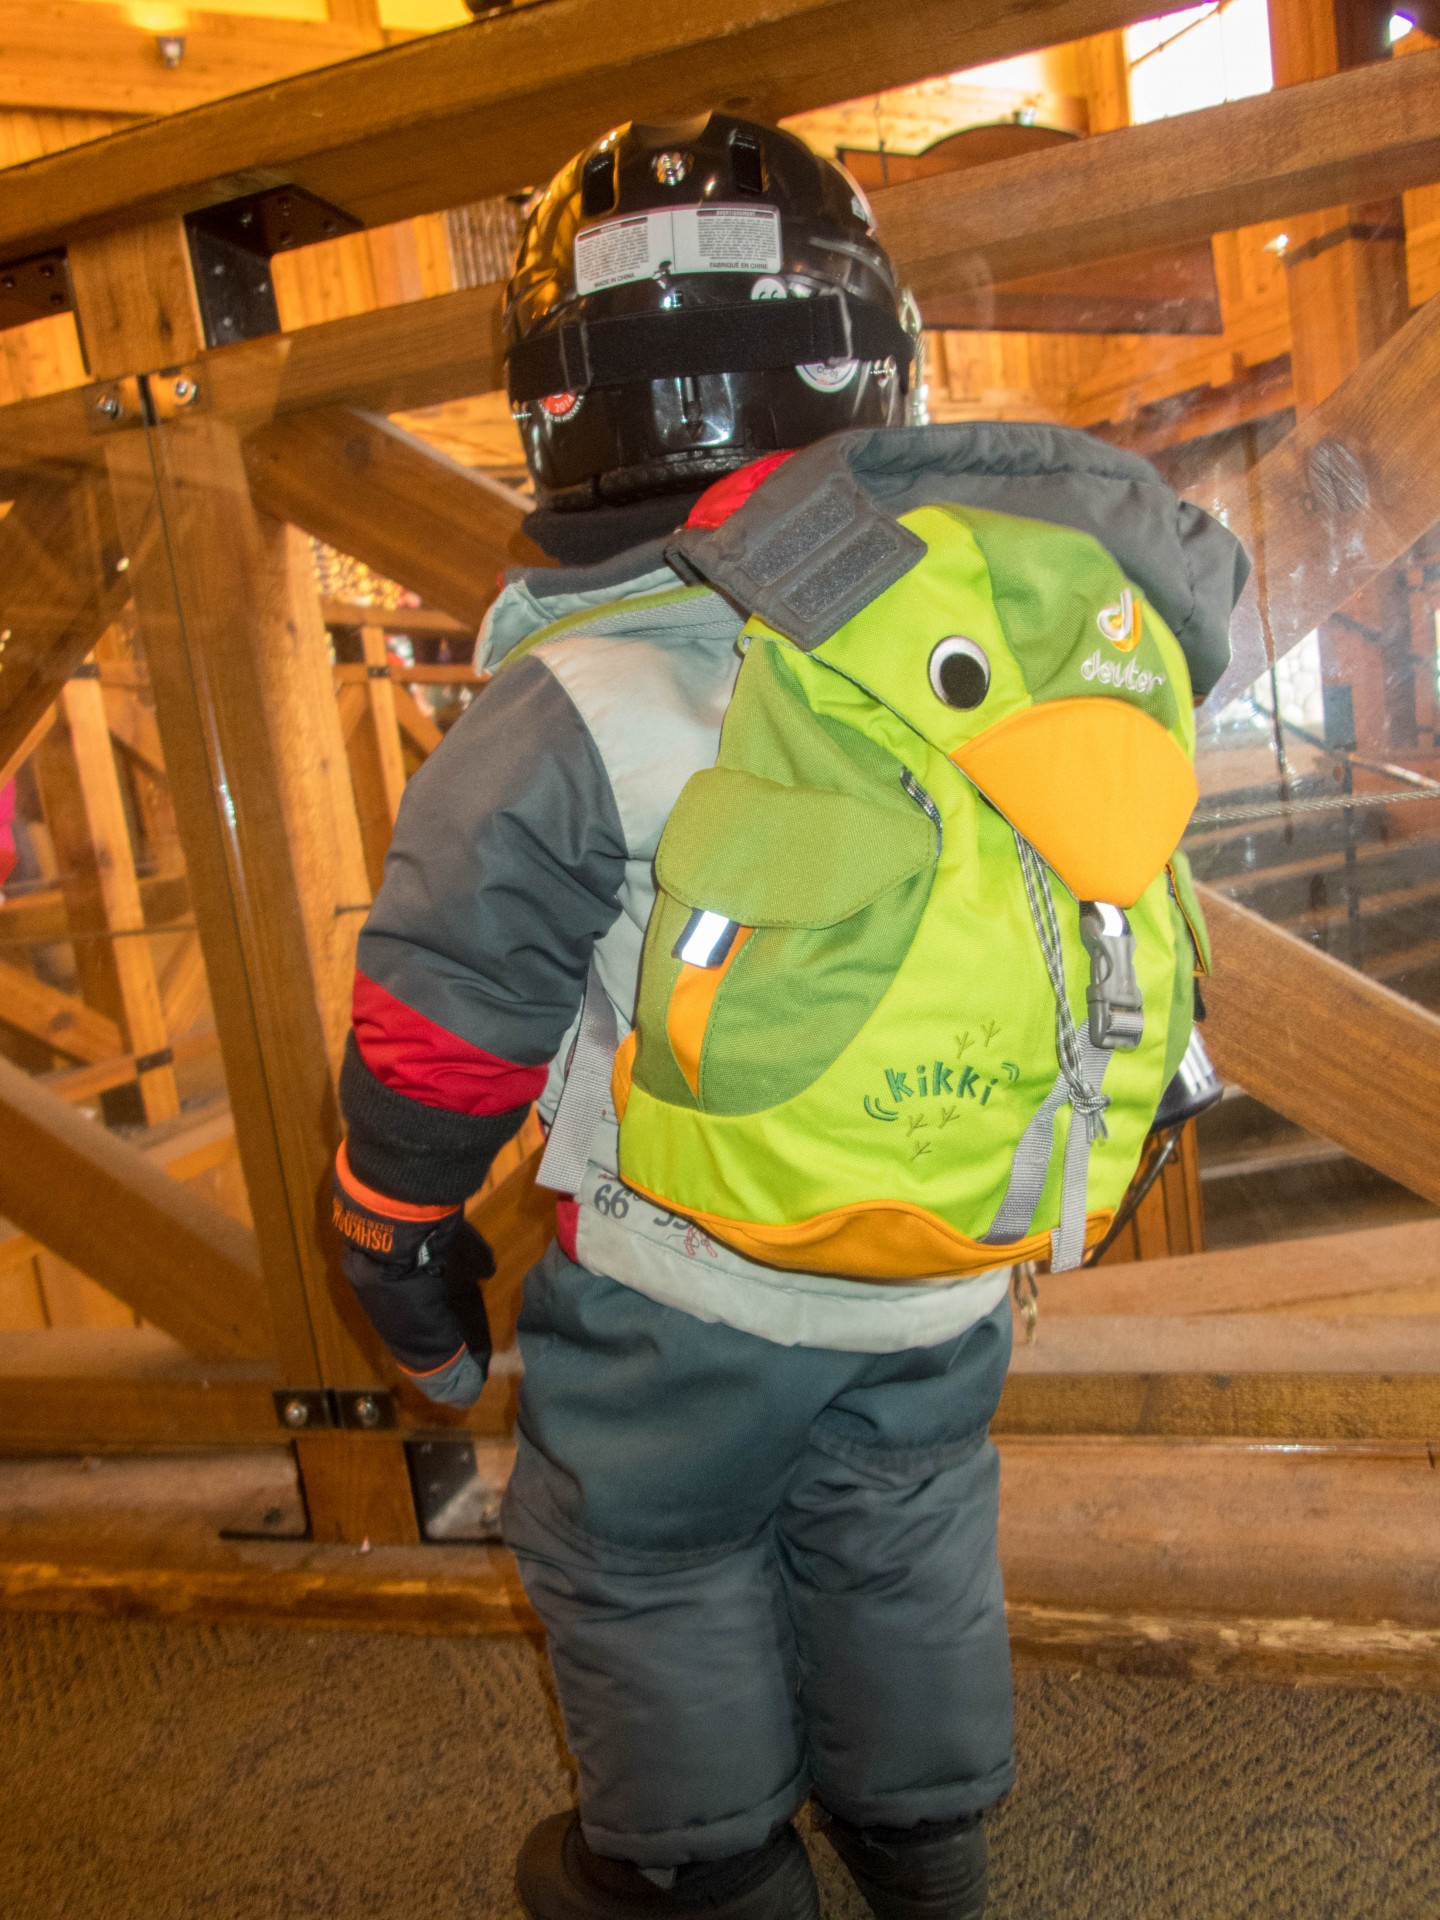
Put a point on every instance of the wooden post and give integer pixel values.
(241, 678)
(1346, 280)
(80, 791)
(377, 760)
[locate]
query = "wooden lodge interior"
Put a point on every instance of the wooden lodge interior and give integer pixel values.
(254, 499)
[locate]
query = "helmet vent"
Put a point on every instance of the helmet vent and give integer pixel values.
(747, 162)
(597, 185)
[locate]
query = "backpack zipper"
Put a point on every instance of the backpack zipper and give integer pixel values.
(922, 800)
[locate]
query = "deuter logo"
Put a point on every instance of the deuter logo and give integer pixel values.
(1120, 624)
(1130, 677)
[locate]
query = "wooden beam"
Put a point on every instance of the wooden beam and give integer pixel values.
(59, 1019)
(1363, 133)
(1205, 1647)
(356, 613)
(1341, 498)
(22, 751)
(1345, 267)
(1328, 1533)
(1243, 1376)
(85, 811)
(208, 640)
(128, 1389)
(500, 104)
(184, 988)
(135, 299)
(347, 1499)
(377, 761)
(39, 918)
(1332, 1050)
(132, 726)
(1354, 136)
(1168, 290)
(1374, 1270)
(75, 58)
(80, 1084)
(1189, 1561)
(63, 579)
(413, 355)
(375, 491)
(99, 1203)
(240, 671)
(416, 725)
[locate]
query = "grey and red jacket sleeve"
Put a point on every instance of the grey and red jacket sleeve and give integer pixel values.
(504, 871)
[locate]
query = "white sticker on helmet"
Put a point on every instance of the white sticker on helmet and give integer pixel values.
(620, 251)
(827, 376)
(726, 239)
(720, 239)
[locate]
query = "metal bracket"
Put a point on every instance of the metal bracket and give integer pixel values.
(316, 1410)
(34, 289)
(302, 1410)
(364, 1409)
(145, 399)
(116, 404)
(231, 247)
(458, 1487)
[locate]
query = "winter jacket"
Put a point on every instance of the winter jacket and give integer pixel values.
(524, 850)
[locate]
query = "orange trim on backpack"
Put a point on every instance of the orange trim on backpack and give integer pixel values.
(376, 1202)
(1200, 970)
(877, 1240)
(692, 1000)
(622, 1074)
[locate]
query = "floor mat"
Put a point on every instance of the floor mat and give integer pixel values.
(152, 1772)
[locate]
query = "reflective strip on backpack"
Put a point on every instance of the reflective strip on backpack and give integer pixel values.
(1032, 1162)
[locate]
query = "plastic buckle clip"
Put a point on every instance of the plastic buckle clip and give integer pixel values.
(837, 309)
(574, 339)
(1116, 1009)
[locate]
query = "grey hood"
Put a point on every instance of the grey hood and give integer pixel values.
(818, 539)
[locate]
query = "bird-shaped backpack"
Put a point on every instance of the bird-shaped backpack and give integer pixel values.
(922, 957)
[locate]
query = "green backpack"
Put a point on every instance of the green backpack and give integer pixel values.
(922, 954)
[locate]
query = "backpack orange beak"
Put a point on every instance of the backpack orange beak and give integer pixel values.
(1098, 788)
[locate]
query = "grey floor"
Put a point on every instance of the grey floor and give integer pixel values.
(191, 1773)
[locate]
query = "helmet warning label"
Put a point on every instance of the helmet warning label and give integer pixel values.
(727, 239)
(719, 239)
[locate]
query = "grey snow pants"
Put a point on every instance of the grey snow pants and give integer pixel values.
(763, 1570)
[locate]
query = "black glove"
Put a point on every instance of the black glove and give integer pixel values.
(416, 1272)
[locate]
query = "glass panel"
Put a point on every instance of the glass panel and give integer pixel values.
(104, 997)
(1320, 780)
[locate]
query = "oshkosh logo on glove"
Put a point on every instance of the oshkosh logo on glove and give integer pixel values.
(375, 1236)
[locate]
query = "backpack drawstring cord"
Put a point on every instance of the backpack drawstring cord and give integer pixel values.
(1089, 1102)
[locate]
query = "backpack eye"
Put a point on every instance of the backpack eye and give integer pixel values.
(960, 672)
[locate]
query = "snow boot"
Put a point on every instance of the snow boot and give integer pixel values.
(933, 1871)
(559, 1878)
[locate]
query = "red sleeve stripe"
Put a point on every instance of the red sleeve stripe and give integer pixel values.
(426, 1062)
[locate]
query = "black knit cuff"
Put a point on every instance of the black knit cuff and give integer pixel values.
(413, 1152)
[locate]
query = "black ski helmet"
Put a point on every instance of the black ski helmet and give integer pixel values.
(688, 297)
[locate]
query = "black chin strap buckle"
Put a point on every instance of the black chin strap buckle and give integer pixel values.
(573, 340)
(832, 303)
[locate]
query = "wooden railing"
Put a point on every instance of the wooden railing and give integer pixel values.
(174, 488)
